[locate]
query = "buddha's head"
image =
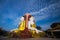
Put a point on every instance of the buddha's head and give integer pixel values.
(22, 18)
(28, 17)
(31, 18)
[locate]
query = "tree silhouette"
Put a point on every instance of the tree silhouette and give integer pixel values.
(38, 27)
(3, 32)
(55, 25)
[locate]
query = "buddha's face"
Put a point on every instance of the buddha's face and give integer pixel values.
(31, 18)
(22, 19)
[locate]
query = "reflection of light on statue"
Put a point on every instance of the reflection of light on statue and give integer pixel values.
(27, 26)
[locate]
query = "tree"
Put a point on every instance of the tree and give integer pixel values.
(38, 27)
(55, 25)
(3, 32)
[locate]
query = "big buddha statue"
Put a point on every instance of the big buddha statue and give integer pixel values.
(27, 27)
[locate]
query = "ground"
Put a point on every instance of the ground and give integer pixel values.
(5, 38)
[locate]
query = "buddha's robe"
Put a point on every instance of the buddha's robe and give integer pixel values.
(22, 26)
(32, 26)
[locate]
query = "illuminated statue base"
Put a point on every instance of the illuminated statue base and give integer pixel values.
(26, 34)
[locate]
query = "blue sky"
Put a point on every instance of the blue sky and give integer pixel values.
(45, 12)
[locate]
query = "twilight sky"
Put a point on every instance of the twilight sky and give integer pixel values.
(45, 12)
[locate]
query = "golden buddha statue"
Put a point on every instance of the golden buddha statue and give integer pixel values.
(27, 27)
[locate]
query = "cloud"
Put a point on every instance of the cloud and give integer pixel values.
(46, 12)
(51, 7)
